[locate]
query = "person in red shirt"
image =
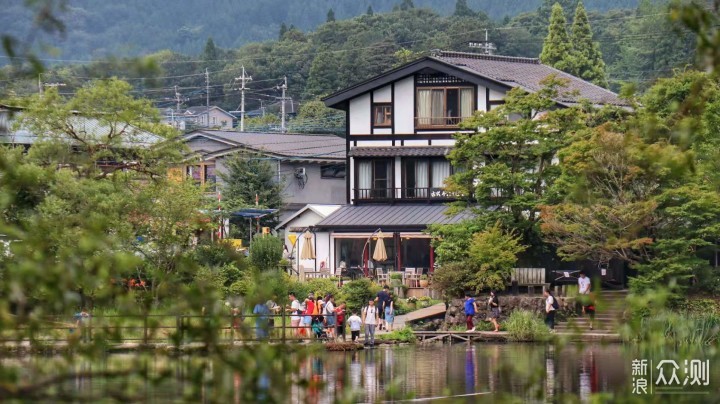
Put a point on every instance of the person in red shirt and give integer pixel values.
(308, 314)
(340, 317)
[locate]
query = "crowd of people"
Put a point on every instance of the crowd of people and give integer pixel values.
(322, 318)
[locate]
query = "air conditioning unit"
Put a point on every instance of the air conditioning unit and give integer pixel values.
(300, 172)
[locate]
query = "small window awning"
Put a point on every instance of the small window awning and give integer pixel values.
(390, 217)
(401, 151)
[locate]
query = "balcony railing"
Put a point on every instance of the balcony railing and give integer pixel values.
(438, 122)
(403, 194)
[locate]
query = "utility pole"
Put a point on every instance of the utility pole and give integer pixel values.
(486, 47)
(40, 86)
(283, 87)
(244, 79)
(207, 95)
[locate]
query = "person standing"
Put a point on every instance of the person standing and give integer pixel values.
(355, 322)
(389, 314)
(370, 319)
(583, 289)
(308, 314)
(340, 321)
(470, 310)
(551, 305)
(494, 306)
(261, 312)
(295, 313)
(381, 299)
(329, 314)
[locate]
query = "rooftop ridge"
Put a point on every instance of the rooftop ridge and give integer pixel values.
(498, 58)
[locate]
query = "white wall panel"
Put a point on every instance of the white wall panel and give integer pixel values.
(382, 95)
(360, 115)
(405, 105)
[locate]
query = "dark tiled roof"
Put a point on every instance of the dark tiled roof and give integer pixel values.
(402, 151)
(527, 73)
(390, 216)
(282, 144)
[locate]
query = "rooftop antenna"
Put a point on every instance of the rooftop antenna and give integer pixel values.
(486, 47)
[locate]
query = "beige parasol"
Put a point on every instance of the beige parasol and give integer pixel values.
(308, 252)
(380, 254)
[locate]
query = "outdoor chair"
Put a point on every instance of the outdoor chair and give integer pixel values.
(412, 279)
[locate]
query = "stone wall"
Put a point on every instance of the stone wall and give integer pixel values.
(455, 314)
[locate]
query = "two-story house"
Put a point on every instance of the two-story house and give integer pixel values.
(400, 128)
(310, 167)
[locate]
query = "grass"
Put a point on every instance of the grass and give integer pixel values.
(676, 329)
(523, 325)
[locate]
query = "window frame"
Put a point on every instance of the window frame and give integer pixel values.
(390, 188)
(445, 89)
(430, 160)
(203, 175)
(388, 120)
(337, 167)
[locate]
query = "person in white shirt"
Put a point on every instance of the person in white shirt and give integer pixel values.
(295, 313)
(550, 305)
(355, 322)
(370, 319)
(329, 314)
(584, 289)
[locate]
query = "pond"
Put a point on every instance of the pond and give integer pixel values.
(487, 372)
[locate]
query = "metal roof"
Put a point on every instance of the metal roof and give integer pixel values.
(492, 71)
(402, 151)
(411, 217)
(281, 144)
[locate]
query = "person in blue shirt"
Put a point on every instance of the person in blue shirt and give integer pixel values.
(470, 310)
(261, 321)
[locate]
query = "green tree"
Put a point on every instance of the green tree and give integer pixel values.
(556, 47)
(330, 16)
(370, 10)
(266, 252)
(490, 259)
(283, 31)
(586, 60)
(407, 5)
(250, 177)
(462, 9)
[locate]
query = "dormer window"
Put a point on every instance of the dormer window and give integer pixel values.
(382, 115)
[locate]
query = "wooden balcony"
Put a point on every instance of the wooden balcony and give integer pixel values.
(444, 122)
(403, 195)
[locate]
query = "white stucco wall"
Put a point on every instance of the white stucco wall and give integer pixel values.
(360, 115)
(405, 105)
(496, 95)
(383, 94)
(481, 98)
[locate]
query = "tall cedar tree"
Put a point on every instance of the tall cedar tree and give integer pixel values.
(586, 59)
(330, 16)
(462, 9)
(556, 47)
(249, 175)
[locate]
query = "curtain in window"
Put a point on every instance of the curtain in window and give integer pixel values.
(438, 97)
(364, 178)
(421, 179)
(379, 116)
(440, 172)
(466, 102)
(424, 107)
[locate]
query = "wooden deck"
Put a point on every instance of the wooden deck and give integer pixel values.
(502, 336)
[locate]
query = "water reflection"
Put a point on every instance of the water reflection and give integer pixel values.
(529, 372)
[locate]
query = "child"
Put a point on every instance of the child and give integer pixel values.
(355, 323)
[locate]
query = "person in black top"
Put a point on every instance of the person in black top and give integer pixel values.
(494, 306)
(382, 299)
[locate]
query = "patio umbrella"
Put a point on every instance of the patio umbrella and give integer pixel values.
(308, 252)
(380, 254)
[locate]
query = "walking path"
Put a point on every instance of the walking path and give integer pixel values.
(431, 311)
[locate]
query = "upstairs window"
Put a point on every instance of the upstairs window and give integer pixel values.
(382, 115)
(444, 107)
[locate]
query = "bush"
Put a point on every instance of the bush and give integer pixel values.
(266, 252)
(357, 293)
(218, 254)
(404, 335)
(523, 325)
(677, 330)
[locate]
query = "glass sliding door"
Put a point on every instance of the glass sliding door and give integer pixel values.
(374, 179)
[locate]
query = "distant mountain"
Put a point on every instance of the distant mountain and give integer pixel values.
(134, 27)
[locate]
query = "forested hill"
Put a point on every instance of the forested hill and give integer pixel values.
(134, 27)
